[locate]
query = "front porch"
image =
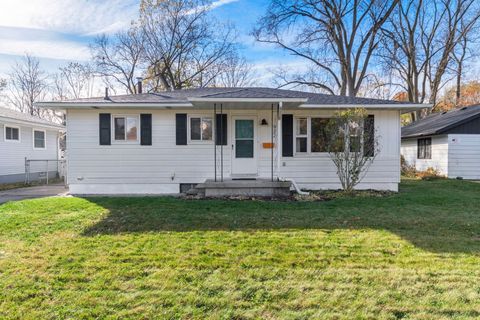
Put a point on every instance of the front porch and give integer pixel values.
(243, 188)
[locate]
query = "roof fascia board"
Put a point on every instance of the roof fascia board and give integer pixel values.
(31, 123)
(111, 105)
(404, 107)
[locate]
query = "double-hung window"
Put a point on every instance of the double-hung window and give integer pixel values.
(301, 136)
(12, 133)
(125, 128)
(424, 148)
(39, 139)
(201, 128)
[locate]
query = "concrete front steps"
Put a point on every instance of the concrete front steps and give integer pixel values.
(243, 188)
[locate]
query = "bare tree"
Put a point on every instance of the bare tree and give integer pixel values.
(28, 84)
(352, 144)
(421, 38)
(73, 81)
(119, 58)
(464, 53)
(236, 72)
(184, 45)
(461, 16)
(336, 37)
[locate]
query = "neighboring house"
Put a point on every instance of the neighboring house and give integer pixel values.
(163, 142)
(448, 142)
(26, 137)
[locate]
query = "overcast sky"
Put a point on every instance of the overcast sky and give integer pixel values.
(59, 31)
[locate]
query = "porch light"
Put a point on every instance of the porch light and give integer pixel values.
(264, 122)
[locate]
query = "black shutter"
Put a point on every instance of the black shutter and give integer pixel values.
(221, 129)
(104, 129)
(287, 135)
(369, 136)
(181, 128)
(146, 129)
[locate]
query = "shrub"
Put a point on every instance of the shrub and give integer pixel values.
(430, 174)
(407, 170)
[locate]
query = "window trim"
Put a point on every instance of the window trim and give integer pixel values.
(425, 148)
(5, 126)
(44, 138)
(189, 129)
(115, 141)
(308, 136)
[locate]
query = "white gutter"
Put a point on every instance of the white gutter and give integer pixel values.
(31, 123)
(403, 107)
(109, 105)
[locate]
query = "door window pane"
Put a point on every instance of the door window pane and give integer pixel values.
(244, 129)
(39, 139)
(119, 128)
(244, 149)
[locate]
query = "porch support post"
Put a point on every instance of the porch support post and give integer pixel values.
(221, 141)
(272, 146)
(215, 140)
(279, 136)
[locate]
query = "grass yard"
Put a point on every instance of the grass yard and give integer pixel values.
(412, 255)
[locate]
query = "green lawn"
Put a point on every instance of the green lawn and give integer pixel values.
(412, 255)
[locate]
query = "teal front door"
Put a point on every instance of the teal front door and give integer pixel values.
(244, 160)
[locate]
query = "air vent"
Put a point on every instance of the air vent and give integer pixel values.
(464, 108)
(444, 112)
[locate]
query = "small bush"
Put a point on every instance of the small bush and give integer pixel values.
(429, 174)
(407, 170)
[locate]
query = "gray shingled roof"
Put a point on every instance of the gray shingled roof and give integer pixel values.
(437, 123)
(182, 96)
(15, 115)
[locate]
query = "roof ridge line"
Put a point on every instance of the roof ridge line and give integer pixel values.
(230, 91)
(158, 94)
(261, 91)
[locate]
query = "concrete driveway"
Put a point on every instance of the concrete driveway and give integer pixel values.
(33, 192)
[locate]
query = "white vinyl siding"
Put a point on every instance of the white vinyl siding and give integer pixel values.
(439, 154)
(464, 156)
(12, 155)
(129, 168)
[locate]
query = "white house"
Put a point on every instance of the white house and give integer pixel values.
(26, 137)
(164, 142)
(448, 142)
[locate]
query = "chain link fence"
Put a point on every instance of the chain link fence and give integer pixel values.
(45, 170)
